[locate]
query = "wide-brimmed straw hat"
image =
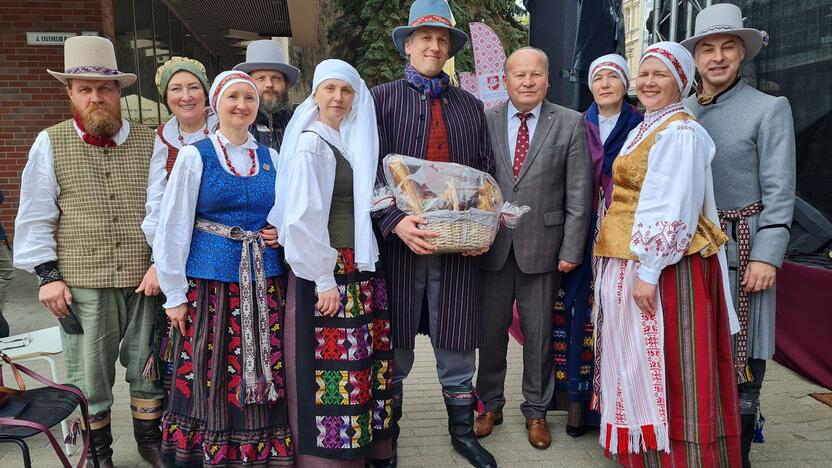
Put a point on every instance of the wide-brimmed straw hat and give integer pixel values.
(267, 54)
(726, 18)
(435, 13)
(91, 58)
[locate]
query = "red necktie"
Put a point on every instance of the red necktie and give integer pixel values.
(521, 149)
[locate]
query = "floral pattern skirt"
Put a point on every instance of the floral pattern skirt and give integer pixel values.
(205, 423)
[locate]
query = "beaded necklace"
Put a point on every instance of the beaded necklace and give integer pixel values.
(651, 118)
(231, 166)
(182, 138)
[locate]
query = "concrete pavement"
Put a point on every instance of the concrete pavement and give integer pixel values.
(798, 428)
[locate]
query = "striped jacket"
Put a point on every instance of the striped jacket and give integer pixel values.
(403, 115)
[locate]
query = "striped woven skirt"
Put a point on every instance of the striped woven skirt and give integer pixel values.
(340, 370)
(204, 423)
(694, 350)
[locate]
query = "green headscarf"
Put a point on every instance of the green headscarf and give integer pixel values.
(177, 64)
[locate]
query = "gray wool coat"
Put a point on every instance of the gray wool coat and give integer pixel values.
(754, 161)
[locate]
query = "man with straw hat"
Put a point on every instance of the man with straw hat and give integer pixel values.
(424, 116)
(267, 65)
(754, 185)
(82, 201)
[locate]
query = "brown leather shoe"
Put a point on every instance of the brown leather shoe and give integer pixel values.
(539, 435)
(485, 422)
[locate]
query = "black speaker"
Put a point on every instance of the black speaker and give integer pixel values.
(574, 33)
(811, 230)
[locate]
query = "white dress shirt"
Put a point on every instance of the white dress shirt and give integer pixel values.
(38, 213)
(606, 124)
(514, 127)
(177, 211)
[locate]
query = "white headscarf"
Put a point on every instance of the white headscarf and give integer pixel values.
(222, 83)
(359, 136)
(613, 62)
(677, 59)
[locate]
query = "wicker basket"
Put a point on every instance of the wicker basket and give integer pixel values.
(461, 231)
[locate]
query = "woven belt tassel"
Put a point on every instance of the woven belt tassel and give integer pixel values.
(253, 390)
(743, 234)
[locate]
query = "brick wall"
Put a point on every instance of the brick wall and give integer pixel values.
(30, 99)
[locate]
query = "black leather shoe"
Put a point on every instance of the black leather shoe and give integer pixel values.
(575, 431)
(383, 463)
(461, 429)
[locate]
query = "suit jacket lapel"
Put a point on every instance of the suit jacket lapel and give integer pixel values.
(541, 131)
(501, 133)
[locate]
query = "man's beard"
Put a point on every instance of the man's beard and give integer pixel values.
(100, 120)
(273, 105)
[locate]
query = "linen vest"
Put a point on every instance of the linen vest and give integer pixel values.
(628, 173)
(233, 201)
(341, 224)
(342, 210)
(102, 198)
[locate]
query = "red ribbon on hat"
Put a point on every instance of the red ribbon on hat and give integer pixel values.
(432, 19)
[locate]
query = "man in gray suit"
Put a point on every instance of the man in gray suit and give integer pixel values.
(542, 162)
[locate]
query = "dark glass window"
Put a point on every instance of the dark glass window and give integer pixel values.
(147, 35)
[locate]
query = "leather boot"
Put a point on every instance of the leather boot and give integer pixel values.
(149, 440)
(461, 428)
(102, 439)
(747, 422)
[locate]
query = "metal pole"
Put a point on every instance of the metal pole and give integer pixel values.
(674, 19)
(656, 37)
(689, 20)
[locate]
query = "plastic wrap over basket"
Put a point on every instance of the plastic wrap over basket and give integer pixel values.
(463, 205)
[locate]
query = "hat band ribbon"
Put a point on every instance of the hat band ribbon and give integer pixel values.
(432, 19)
(672, 58)
(717, 27)
(92, 69)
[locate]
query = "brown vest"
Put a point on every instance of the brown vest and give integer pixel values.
(628, 173)
(102, 199)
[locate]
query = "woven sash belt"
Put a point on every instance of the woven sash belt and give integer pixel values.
(254, 390)
(742, 233)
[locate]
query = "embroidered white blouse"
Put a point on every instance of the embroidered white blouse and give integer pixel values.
(38, 213)
(155, 191)
(305, 235)
(172, 241)
(677, 188)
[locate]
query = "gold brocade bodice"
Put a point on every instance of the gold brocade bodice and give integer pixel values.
(628, 173)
